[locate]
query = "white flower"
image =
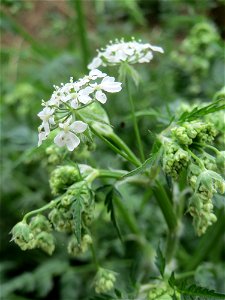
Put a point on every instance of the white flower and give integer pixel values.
(46, 115)
(96, 62)
(41, 137)
(132, 52)
(109, 85)
(67, 136)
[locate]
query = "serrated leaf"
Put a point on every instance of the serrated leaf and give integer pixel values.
(110, 208)
(190, 291)
(77, 209)
(160, 261)
(197, 113)
(146, 164)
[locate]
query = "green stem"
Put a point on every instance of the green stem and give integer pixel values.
(112, 174)
(207, 242)
(165, 205)
(170, 217)
(127, 216)
(51, 204)
(94, 256)
(201, 164)
(111, 146)
(209, 147)
(82, 32)
(119, 142)
(185, 275)
(136, 129)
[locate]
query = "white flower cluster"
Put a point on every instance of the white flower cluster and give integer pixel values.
(60, 110)
(120, 51)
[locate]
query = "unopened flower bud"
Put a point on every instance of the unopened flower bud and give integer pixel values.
(22, 236)
(63, 177)
(45, 241)
(40, 223)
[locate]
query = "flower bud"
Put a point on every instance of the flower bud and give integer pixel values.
(63, 177)
(22, 236)
(105, 280)
(61, 219)
(45, 241)
(40, 223)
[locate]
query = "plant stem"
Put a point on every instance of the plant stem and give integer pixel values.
(136, 129)
(170, 217)
(209, 147)
(82, 32)
(196, 158)
(207, 242)
(127, 216)
(114, 148)
(119, 142)
(43, 208)
(112, 174)
(165, 205)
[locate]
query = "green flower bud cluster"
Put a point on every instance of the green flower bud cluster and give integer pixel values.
(175, 159)
(74, 249)
(209, 161)
(62, 219)
(63, 177)
(105, 281)
(34, 235)
(205, 184)
(55, 154)
(202, 47)
(195, 131)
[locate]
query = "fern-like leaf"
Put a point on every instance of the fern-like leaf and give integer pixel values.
(193, 291)
(197, 113)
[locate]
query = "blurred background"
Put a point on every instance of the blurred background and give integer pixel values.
(44, 43)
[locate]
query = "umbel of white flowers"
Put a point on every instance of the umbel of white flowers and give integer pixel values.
(120, 51)
(58, 110)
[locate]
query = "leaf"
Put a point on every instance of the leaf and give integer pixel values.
(77, 208)
(191, 291)
(95, 115)
(160, 261)
(200, 112)
(110, 208)
(146, 164)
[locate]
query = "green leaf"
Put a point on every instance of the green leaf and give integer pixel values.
(160, 261)
(197, 113)
(111, 209)
(154, 157)
(77, 209)
(95, 115)
(192, 291)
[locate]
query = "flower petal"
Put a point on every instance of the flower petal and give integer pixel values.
(59, 140)
(101, 97)
(72, 141)
(78, 126)
(96, 62)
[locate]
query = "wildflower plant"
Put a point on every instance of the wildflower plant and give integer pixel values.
(182, 152)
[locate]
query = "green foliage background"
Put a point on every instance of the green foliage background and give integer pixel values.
(42, 46)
